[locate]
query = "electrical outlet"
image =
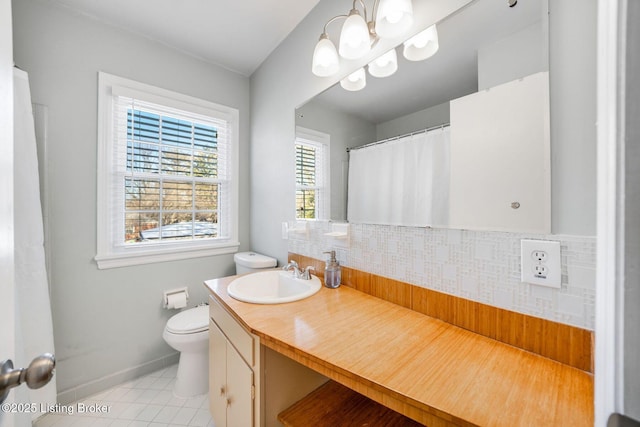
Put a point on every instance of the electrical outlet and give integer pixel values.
(540, 262)
(540, 271)
(539, 256)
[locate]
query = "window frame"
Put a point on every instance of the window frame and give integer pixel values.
(111, 254)
(323, 192)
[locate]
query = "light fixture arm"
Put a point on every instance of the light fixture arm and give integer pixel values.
(371, 24)
(374, 14)
(364, 8)
(324, 29)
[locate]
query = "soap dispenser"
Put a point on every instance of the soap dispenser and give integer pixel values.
(332, 274)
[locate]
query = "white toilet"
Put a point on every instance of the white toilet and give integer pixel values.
(249, 262)
(188, 332)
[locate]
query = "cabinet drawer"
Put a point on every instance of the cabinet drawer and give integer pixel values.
(237, 335)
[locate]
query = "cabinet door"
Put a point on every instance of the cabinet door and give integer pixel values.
(217, 375)
(240, 393)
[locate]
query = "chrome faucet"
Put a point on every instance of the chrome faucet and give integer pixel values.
(297, 272)
(292, 265)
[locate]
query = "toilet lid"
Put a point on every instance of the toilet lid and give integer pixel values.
(190, 321)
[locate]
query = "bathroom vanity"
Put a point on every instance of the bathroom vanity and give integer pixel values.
(421, 367)
(239, 381)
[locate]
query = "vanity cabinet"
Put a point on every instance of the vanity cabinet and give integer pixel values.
(231, 379)
(249, 384)
(233, 371)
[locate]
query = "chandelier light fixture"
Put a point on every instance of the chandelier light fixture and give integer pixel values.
(390, 19)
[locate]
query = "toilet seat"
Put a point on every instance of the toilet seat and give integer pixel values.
(189, 321)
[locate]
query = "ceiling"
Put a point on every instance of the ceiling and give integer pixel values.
(237, 35)
(451, 73)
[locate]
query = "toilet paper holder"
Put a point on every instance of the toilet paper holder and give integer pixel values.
(170, 296)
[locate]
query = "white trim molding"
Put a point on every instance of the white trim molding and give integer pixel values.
(610, 243)
(111, 254)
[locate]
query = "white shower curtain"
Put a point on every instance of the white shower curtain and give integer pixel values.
(34, 329)
(401, 182)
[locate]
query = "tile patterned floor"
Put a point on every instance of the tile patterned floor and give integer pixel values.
(145, 402)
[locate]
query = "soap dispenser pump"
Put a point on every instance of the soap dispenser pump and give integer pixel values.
(332, 274)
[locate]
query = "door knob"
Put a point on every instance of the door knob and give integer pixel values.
(38, 374)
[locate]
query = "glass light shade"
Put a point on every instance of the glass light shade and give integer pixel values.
(385, 65)
(325, 58)
(354, 37)
(394, 18)
(423, 45)
(354, 81)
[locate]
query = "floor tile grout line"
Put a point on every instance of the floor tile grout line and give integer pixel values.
(139, 405)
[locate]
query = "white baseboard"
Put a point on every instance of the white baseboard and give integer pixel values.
(80, 392)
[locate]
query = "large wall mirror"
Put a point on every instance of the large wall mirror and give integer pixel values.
(489, 78)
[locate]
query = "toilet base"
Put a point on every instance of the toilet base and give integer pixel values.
(192, 378)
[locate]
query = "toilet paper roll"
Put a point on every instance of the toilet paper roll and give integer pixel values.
(177, 300)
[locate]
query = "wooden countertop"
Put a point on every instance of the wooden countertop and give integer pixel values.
(431, 371)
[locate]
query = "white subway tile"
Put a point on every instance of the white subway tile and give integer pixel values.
(480, 265)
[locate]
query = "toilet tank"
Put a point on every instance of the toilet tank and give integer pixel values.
(248, 262)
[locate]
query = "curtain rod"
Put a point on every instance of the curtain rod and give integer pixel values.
(371, 144)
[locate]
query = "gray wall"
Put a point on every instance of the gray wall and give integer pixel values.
(108, 321)
(572, 60)
(284, 81)
(432, 116)
(518, 55)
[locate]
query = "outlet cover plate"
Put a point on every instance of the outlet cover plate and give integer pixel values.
(540, 263)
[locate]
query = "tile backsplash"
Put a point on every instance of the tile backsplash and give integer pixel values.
(482, 266)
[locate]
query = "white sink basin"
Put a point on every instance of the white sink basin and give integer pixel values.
(272, 287)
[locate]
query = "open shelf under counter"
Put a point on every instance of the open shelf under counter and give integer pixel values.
(333, 404)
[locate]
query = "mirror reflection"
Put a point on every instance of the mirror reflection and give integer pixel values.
(486, 48)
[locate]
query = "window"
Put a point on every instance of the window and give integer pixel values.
(312, 174)
(167, 168)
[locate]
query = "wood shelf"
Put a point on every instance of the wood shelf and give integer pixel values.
(333, 404)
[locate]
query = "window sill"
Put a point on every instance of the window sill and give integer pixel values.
(149, 256)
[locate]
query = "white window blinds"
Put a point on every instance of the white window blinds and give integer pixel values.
(171, 180)
(168, 176)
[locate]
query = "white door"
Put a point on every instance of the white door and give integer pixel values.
(7, 319)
